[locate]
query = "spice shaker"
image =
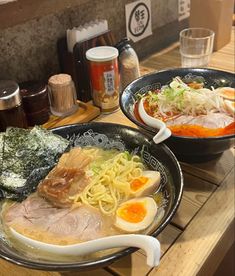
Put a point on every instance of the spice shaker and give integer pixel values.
(35, 102)
(11, 109)
(104, 77)
(62, 95)
(128, 62)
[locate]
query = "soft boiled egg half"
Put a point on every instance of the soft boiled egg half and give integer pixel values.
(145, 184)
(230, 106)
(136, 214)
(227, 93)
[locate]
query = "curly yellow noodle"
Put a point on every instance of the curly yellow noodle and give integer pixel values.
(111, 185)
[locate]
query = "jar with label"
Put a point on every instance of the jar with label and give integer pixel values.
(128, 63)
(104, 76)
(11, 110)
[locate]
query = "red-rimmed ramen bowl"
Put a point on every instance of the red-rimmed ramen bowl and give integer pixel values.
(186, 148)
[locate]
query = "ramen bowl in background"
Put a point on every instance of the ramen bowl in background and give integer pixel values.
(187, 149)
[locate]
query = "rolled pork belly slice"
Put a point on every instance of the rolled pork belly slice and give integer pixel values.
(213, 120)
(36, 218)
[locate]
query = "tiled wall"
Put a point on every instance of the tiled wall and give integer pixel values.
(28, 50)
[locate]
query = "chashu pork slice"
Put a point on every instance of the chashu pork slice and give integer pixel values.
(75, 158)
(61, 184)
(213, 120)
(67, 179)
(38, 219)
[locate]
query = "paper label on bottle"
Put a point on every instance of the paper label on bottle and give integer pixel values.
(109, 82)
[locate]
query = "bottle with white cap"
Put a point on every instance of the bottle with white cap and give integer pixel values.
(104, 76)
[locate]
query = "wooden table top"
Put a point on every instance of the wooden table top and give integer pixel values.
(202, 229)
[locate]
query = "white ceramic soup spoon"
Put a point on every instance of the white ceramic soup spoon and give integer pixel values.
(149, 244)
(163, 132)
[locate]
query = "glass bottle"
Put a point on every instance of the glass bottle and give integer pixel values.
(104, 76)
(128, 63)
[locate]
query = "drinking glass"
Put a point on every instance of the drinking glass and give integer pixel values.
(196, 46)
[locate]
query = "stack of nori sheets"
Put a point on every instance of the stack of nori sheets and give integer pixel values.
(26, 157)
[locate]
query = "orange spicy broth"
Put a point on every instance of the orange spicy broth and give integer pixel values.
(200, 131)
(193, 130)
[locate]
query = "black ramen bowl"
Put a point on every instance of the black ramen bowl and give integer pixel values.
(111, 136)
(187, 149)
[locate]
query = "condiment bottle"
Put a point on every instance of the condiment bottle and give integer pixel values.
(128, 62)
(62, 95)
(11, 110)
(104, 76)
(35, 102)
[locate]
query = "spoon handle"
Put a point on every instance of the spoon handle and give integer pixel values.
(163, 132)
(160, 137)
(149, 244)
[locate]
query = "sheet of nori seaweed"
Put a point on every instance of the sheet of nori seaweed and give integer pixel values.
(27, 157)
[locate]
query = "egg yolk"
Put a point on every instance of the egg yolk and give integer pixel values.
(138, 183)
(133, 212)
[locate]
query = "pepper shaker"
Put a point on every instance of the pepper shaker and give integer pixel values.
(128, 63)
(11, 109)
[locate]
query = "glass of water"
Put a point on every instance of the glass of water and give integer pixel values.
(196, 47)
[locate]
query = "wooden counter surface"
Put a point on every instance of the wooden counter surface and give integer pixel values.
(202, 230)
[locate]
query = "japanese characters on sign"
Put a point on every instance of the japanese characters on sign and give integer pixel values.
(138, 20)
(183, 9)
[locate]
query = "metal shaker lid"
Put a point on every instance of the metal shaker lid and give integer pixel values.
(123, 44)
(33, 89)
(9, 94)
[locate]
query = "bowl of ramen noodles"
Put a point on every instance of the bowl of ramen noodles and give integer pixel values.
(72, 185)
(196, 105)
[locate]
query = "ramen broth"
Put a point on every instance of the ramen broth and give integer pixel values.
(189, 109)
(33, 253)
(106, 212)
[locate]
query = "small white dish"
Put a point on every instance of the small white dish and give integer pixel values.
(163, 132)
(149, 244)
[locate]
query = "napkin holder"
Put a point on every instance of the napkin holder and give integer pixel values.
(75, 63)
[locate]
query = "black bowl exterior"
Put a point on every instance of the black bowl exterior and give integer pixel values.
(186, 149)
(132, 138)
(199, 150)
